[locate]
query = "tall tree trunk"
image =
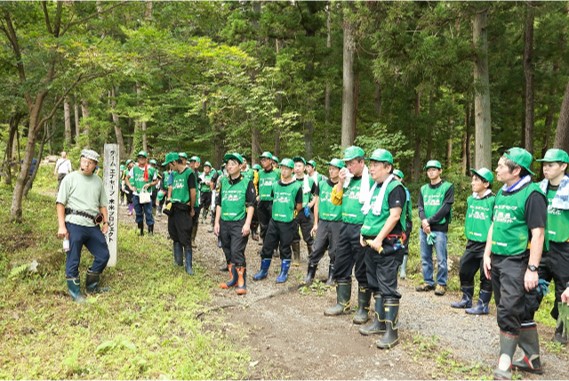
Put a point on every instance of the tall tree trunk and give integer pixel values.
(416, 168)
(328, 88)
(76, 115)
(141, 124)
(85, 121)
(466, 140)
(32, 177)
(377, 98)
(528, 74)
(13, 124)
(348, 104)
(562, 134)
(67, 122)
(148, 10)
(116, 125)
(483, 133)
(308, 133)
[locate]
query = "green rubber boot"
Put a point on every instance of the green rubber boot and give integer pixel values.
(391, 336)
(377, 324)
(364, 298)
(342, 306)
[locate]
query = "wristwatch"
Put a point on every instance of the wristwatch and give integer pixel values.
(105, 222)
(532, 268)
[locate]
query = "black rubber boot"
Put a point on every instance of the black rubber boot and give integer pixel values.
(178, 254)
(150, 229)
(391, 336)
(560, 336)
(377, 324)
(364, 298)
(141, 228)
(483, 306)
(309, 248)
(342, 306)
(295, 254)
(466, 301)
(74, 286)
(310, 274)
(194, 234)
(330, 281)
(188, 255)
(508, 344)
(92, 283)
(529, 343)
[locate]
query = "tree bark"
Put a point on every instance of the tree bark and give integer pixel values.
(416, 168)
(562, 133)
(76, 114)
(10, 147)
(116, 125)
(348, 104)
(85, 120)
(528, 75)
(328, 88)
(67, 122)
(483, 133)
(148, 10)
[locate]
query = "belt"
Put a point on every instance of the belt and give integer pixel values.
(79, 213)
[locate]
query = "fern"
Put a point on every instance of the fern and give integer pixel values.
(18, 271)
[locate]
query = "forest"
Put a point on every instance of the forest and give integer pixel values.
(454, 81)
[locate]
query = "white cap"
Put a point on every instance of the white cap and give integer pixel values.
(90, 154)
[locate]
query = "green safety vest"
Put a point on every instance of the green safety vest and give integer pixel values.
(557, 221)
(138, 177)
(205, 188)
(284, 202)
(351, 207)
(266, 181)
(478, 217)
(180, 190)
(433, 200)
(373, 224)
(306, 196)
(326, 210)
(233, 198)
(510, 233)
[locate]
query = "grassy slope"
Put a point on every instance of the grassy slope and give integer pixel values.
(146, 327)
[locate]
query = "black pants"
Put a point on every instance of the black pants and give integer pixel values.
(232, 241)
(350, 253)
(196, 217)
(472, 261)
(305, 224)
(205, 202)
(180, 224)
(327, 237)
(555, 266)
(514, 305)
(278, 233)
(381, 270)
(408, 231)
(255, 219)
(264, 212)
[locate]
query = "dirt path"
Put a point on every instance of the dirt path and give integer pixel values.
(289, 337)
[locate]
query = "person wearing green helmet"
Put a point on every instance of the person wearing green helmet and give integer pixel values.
(194, 164)
(206, 187)
(267, 177)
(182, 195)
(143, 178)
(435, 211)
(512, 255)
(287, 200)
(154, 189)
(399, 176)
(382, 238)
(128, 166)
(554, 263)
(351, 193)
(235, 206)
(305, 220)
(313, 173)
(479, 207)
(327, 224)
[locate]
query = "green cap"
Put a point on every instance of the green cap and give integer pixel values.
(353, 152)
(170, 157)
(399, 173)
(297, 159)
(484, 173)
(195, 158)
(183, 155)
(160, 195)
(266, 155)
(382, 155)
(312, 163)
(337, 163)
(257, 167)
(128, 162)
(234, 156)
(153, 162)
(207, 164)
(275, 159)
(555, 154)
(433, 164)
(521, 157)
(142, 153)
(286, 162)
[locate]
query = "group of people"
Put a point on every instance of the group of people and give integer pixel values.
(360, 214)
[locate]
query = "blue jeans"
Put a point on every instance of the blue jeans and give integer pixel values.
(427, 258)
(142, 210)
(94, 240)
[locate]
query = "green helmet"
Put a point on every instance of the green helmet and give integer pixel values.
(433, 164)
(207, 164)
(353, 152)
(234, 156)
(266, 155)
(312, 163)
(337, 163)
(183, 155)
(257, 167)
(142, 153)
(299, 159)
(399, 173)
(196, 158)
(382, 155)
(286, 162)
(275, 159)
(153, 162)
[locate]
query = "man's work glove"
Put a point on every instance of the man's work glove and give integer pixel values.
(307, 211)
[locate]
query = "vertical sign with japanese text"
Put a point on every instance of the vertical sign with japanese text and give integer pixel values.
(111, 178)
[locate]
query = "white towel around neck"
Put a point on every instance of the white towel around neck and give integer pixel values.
(378, 204)
(364, 187)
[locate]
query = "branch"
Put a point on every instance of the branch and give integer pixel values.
(46, 17)
(13, 38)
(57, 23)
(97, 14)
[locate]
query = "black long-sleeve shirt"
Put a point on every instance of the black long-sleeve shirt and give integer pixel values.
(443, 212)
